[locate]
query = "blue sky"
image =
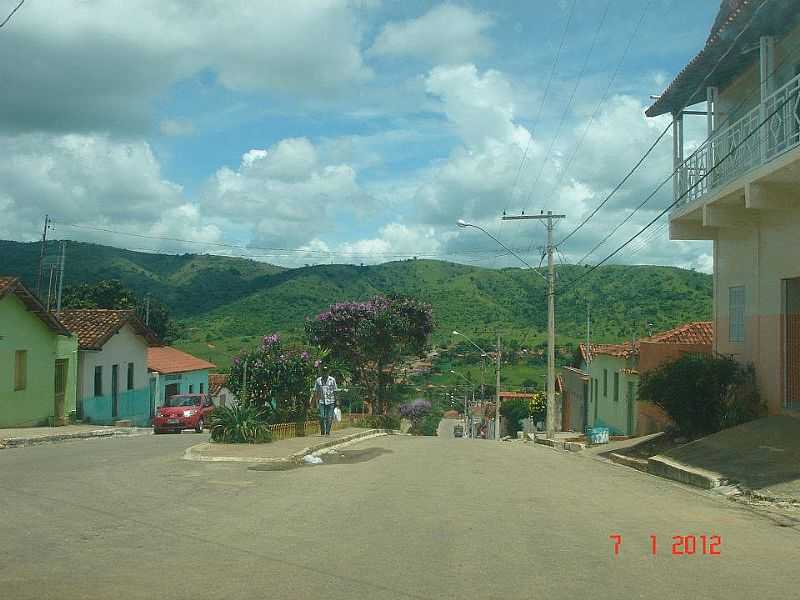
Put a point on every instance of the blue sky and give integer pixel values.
(329, 130)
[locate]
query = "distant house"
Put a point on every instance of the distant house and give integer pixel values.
(38, 360)
(219, 391)
(175, 372)
(112, 371)
(739, 187)
(612, 373)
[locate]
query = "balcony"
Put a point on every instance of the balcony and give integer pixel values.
(734, 154)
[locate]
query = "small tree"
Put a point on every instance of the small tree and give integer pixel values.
(277, 379)
(703, 394)
(371, 337)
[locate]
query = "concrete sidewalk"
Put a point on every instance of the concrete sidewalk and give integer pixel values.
(29, 436)
(291, 449)
(761, 457)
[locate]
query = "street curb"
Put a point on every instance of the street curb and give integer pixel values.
(670, 469)
(191, 452)
(24, 442)
(639, 464)
(559, 445)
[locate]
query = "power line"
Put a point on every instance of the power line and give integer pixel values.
(571, 98)
(11, 14)
(698, 87)
(675, 202)
(553, 68)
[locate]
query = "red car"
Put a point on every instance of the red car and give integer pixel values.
(183, 411)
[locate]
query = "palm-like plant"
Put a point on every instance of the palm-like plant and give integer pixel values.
(238, 424)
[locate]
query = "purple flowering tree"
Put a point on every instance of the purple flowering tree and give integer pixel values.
(371, 337)
(274, 375)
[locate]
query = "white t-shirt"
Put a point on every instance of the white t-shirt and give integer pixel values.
(326, 390)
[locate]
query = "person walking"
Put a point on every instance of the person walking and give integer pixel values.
(325, 393)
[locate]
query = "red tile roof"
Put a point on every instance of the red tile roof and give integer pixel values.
(700, 332)
(167, 359)
(13, 285)
(95, 326)
(216, 381)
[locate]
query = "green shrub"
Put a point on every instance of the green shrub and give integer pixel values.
(514, 410)
(704, 394)
(378, 422)
(428, 425)
(239, 424)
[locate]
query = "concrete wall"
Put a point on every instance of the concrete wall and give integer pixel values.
(758, 257)
(22, 330)
(124, 347)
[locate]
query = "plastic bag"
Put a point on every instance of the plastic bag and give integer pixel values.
(312, 460)
(337, 414)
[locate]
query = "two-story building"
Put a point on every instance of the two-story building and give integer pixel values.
(741, 187)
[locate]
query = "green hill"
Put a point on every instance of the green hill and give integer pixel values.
(223, 303)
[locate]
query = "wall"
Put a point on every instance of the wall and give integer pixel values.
(759, 258)
(612, 413)
(22, 330)
(123, 347)
(67, 348)
(654, 354)
(573, 394)
(184, 380)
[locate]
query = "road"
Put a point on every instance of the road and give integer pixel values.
(417, 518)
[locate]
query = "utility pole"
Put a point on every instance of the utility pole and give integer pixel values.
(147, 311)
(588, 334)
(41, 256)
(61, 275)
(497, 394)
(551, 316)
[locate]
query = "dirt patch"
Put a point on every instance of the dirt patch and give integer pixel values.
(336, 457)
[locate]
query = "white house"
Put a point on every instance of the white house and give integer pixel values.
(113, 382)
(219, 391)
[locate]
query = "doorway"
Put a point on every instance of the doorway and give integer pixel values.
(171, 389)
(60, 390)
(791, 318)
(114, 391)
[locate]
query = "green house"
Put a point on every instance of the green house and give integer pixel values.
(38, 361)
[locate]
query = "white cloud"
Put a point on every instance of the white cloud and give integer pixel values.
(176, 127)
(445, 34)
(99, 65)
(285, 194)
(92, 180)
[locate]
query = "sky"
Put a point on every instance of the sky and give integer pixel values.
(343, 131)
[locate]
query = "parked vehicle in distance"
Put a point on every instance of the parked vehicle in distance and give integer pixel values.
(183, 411)
(458, 431)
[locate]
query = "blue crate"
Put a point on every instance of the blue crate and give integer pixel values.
(597, 435)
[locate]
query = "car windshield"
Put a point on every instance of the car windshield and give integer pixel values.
(183, 401)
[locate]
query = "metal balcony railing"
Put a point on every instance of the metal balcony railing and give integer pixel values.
(734, 153)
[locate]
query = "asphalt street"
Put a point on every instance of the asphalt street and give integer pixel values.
(406, 518)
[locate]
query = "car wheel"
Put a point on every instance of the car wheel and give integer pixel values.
(157, 431)
(199, 427)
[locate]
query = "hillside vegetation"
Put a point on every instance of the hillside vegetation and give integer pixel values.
(223, 303)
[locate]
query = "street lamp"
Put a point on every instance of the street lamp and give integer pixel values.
(467, 416)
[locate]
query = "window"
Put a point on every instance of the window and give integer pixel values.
(20, 370)
(631, 392)
(736, 313)
(98, 381)
(596, 403)
(605, 383)
(201, 388)
(191, 388)
(616, 386)
(130, 375)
